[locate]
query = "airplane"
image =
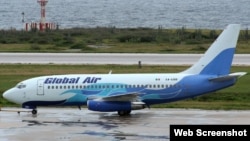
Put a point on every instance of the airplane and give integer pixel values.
(124, 93)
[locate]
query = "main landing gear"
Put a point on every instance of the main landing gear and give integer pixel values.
(124, 113)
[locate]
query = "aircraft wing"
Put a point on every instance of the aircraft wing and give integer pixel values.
(122, 97)
(227, 77)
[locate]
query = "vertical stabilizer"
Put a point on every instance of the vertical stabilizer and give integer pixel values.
(219, 56)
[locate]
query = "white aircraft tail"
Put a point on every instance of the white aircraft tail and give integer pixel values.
(218, 58)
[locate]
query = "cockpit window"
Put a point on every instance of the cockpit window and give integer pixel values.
(20, 85)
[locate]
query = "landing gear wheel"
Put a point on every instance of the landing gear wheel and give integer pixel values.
(34, 112)
(124, 113)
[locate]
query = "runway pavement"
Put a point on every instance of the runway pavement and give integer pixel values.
(71, 124)
(109, 58)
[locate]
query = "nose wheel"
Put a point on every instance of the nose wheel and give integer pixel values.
(34, 111)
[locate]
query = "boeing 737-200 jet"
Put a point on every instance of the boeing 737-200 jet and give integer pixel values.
(123, 93)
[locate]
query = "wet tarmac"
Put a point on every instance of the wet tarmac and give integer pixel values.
(71, 124)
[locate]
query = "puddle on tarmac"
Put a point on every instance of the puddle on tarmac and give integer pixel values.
(106, 126)
(122, 136)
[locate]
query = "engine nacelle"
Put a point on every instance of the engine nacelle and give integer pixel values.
(112, 106)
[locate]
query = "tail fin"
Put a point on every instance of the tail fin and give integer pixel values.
(218, 58)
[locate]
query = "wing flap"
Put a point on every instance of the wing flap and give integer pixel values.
(122, 97)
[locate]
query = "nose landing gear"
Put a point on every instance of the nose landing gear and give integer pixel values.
(34, 108)
(34, 111)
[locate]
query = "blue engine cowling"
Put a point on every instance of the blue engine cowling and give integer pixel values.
(108, 106)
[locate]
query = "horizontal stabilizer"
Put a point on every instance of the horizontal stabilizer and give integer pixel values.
(228, 77)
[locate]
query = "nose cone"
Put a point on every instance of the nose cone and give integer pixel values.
(11, 96)
(6, 95)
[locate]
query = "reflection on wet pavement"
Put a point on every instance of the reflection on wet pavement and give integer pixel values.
(72, 124)
(122, 136)
(108, 123)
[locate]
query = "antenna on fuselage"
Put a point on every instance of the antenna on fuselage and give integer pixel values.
(110, 72)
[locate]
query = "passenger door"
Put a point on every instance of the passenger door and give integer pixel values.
(40, 87)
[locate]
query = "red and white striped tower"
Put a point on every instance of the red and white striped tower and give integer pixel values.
(42, 25)
(43, 19)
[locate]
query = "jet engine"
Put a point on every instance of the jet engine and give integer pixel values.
(112, 106)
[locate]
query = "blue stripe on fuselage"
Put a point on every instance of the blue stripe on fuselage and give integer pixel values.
(192, 86)
(185, 88)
